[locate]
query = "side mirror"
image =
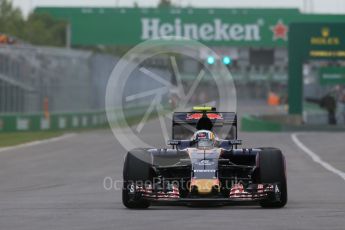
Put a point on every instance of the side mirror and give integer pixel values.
(229, 144)
(235, 142)
(174, 142)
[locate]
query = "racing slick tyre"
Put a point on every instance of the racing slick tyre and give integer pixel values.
(136, 170)
(272, 170)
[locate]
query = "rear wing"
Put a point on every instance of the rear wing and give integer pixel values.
(184, 124)
(225, 144)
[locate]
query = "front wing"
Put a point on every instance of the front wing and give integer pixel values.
(254, 193)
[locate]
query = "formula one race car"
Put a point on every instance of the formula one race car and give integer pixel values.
(201, 169)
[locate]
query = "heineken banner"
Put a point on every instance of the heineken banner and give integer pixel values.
(223, 27)
(214, 27)
(216, 30)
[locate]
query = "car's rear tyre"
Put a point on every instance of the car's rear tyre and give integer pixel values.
(272, 170)
(136, 169)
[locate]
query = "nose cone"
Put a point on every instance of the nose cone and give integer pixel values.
(205, 186)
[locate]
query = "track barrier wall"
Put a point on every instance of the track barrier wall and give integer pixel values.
(56, 121)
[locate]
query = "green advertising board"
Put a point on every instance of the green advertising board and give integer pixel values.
(57, 121)
(332, 75)
(311, 41)
(214, 27)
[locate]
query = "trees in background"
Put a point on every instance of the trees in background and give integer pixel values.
(164, 4)
(37, 29)
(42, 29)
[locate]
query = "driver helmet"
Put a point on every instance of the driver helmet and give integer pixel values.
(204, 139)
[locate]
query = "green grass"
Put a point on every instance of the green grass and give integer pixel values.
(15, 138)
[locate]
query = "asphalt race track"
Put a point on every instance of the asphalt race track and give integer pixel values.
(59, 185)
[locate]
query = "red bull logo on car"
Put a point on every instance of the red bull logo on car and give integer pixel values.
(197, 116)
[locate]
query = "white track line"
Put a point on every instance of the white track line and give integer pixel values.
(33, 143)
(316, 158)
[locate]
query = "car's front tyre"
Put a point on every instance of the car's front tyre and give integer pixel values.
(130, 201)
(136, 169)
(272, 170)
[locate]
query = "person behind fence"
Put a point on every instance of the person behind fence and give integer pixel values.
(329, 103)
(342, 103)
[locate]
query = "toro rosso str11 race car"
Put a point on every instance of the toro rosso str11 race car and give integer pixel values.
(202, 169)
